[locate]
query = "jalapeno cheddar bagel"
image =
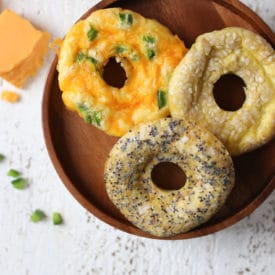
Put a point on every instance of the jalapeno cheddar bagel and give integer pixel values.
(147, 51)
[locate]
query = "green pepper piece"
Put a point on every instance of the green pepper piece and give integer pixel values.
(92, 60)
(13, 173)
(80, 57)
(97, 115)
(150, 53)
(89, 116)
(57, 218)
(135, 57)
(149, 39)
(84, 110)
(2, 157)
(92, 33)
(19, 183)
(149, 46)
(126, 19)
(162, 101)
(120, 49)
(37, 216)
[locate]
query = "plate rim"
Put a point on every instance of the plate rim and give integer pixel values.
(110, 220)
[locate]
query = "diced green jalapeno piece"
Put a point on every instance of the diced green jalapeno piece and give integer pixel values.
(126, 19)
(37, 215)
(92, 33)
(150, 53)
(89, 116)
(150, 46)
(92, 60)
(84, 110)
(168, 77)
(80, 57)
(2, 157)
(13, 173)
(135, 57)
(122, 17)
(129, 19)
(162, 101)
(149, 39)
(19, 183)
(120, 49)
(97, 117)
(57, 218)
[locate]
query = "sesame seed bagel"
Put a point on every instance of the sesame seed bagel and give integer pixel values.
(147, 51)
(229, 51)
(204, 159)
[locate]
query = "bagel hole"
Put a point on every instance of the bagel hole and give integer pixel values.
(229, 92)
(168, 176)
(114, 74)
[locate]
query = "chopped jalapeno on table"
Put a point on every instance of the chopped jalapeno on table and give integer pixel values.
(37, 215)
(57, 218)
(19, 183)
(2, 157)
(13, 173)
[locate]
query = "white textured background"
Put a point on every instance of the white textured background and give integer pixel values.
(84, 244)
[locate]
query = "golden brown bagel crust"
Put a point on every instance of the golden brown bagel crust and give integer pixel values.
(203, 158)
(231, 50)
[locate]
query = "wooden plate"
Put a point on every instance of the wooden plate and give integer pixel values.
(78, 151)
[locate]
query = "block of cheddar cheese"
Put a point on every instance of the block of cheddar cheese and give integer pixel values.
(22, 48)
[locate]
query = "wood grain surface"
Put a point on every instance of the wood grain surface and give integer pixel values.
(79, 150)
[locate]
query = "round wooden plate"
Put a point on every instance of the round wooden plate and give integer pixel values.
(79, 151)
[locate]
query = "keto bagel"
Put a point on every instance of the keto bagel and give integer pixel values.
(147, 51)
(235, 51)
(204, 159)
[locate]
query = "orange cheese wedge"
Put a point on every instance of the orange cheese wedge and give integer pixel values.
(22, 48)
